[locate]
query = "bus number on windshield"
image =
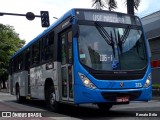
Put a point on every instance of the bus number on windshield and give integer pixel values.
(104, 57)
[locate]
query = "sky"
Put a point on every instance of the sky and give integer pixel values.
(28, 30)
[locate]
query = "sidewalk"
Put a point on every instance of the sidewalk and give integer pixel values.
(4, 90)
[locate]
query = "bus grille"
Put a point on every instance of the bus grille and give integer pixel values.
(118, 76)
(112, 95)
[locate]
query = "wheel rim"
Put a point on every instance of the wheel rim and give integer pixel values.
(17, 94)
(52, 99)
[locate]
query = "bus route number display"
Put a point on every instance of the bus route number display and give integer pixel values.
(104, 17)
(108, 18)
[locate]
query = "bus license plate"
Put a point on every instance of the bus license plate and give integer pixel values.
(122, 99)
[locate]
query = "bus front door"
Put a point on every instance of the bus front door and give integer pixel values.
(66, 66)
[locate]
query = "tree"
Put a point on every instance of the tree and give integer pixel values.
(112, 4)
(9, 44)
(100, 4)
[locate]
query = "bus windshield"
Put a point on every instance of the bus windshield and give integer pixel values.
(111, 48)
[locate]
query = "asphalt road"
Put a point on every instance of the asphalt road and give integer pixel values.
(134, 111)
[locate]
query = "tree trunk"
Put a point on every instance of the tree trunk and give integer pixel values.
(3, 80)
(4, 84)
(130, 7)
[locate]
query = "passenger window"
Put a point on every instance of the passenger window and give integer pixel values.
(47, 47)
(36, 53)
(27, 59)
(66, 50)
(70, 46)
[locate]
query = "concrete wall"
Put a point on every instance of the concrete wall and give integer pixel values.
(151, 25)
(155, 48)
(156, 75)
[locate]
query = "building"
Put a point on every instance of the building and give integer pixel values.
(152, 28)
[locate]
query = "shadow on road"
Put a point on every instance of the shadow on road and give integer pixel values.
(81, 112)
(92, 113)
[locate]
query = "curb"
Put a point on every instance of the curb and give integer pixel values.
(156, 98)
(156, 92)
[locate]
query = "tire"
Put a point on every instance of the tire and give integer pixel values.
(20, 99)
(51, 102)
(104, 106)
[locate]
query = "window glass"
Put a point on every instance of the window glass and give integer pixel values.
(20, 60)
(70, 46)
(64, 50)
(27, 59)
(35, 53)
(112, 48)
(47, 47)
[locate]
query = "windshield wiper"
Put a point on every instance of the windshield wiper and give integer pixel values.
(122, 39)
(120, 43)
(108, 38)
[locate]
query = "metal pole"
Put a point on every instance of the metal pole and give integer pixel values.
(2, 13)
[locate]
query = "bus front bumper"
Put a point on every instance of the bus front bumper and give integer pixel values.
(86, 95)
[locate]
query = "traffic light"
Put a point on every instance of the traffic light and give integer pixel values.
(45, 19)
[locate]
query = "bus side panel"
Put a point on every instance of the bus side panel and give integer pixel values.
(51, 73)
(38, 76)
(57, 80)
(21, 79)
(36, 82)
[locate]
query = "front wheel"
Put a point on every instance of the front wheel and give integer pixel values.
(51, 102)
(104, 106)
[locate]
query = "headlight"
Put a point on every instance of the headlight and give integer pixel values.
(148, 81)
(86, 81)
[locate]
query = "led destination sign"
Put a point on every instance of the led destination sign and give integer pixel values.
(108, 18)
(104, 16)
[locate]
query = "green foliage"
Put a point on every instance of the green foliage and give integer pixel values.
(112, 4)
(9, 44)
(156, 85)
(100, 4)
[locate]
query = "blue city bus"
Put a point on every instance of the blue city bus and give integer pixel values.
(86, 56)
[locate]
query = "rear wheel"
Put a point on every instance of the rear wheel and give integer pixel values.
(104, 106)
(20, 99)
(51, 102)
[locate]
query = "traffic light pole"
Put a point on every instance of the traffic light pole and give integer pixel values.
(2, 13)
(30, 16)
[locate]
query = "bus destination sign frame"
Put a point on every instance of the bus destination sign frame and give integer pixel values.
(107, 16)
